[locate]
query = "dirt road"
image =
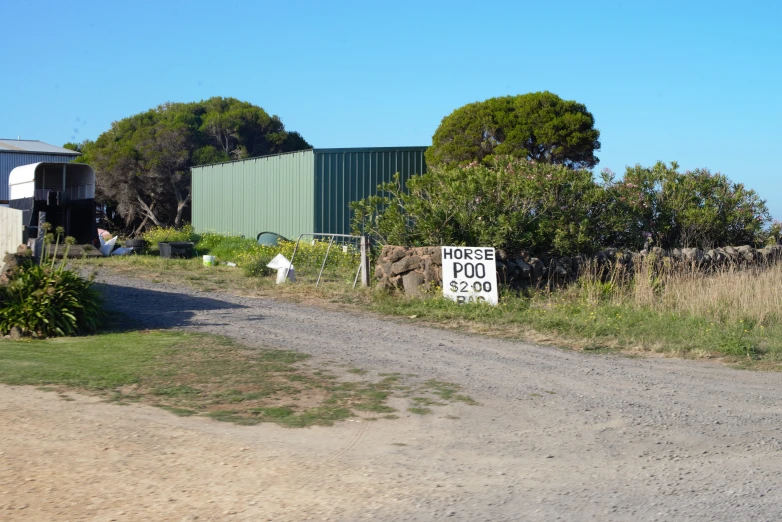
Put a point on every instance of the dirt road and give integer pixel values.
(559, 435)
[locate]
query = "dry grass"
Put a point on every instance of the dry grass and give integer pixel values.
(728, 294)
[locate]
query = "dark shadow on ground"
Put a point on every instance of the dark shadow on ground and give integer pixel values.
(131, 308)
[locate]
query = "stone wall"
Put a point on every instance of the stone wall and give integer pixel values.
(415, 269)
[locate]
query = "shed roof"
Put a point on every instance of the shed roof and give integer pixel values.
(338, 150)
(33, 146)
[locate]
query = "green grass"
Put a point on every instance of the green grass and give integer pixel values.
(252, 258)
(198, 374)
(599, 327)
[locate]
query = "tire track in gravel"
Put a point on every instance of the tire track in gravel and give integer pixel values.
(355, 439)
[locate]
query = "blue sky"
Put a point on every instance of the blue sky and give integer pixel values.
(696, 82)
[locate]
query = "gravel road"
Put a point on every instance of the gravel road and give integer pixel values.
(558, 435)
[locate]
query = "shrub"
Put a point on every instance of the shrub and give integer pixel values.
(690, 209)
(47, 301)
(227, 248)
(157, 235)
(511, 204)
(773, 235)
(514, 204)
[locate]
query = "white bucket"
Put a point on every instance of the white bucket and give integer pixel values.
(209, 260)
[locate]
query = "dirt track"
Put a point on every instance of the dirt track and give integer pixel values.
(559, 435)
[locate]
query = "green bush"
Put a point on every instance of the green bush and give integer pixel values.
(44, 301)
(773, 235)
(510, 204)
(157, 235)
(256, 267)
(515, 204)
(674, 209)
(226, 248)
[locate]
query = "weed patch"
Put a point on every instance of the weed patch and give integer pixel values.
(197, 374)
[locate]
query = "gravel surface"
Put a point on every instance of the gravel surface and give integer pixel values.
(558, 435)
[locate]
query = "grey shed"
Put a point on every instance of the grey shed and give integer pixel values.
(296, 192)
(15, 153)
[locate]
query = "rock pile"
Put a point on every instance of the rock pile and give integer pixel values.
(414, 269)
(409, 269)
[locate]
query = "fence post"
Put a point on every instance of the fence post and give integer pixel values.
(364, 261)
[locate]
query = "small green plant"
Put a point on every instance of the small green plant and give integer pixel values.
(738, 342)
(46, 300)
(43, 301)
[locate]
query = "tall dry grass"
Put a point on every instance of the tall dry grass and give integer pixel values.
(730, 294)
(753, 294)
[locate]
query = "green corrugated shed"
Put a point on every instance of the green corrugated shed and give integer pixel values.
(295, 193)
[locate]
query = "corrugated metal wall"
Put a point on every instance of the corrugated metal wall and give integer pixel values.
(346, 175)
(272, 193)
(10, 160)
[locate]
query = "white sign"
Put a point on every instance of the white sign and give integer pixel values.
(470, 274)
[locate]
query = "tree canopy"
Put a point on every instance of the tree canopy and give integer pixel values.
(538, 126)
(143, 162)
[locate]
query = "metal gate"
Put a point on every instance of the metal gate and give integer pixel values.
(359, 244)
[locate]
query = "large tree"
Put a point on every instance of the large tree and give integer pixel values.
(143, 162)
(538, 126)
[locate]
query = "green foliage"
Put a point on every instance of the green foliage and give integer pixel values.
(46, 301)
(510, 204)
(73, 146)
(675, 209)
(156, 235)
(143, 162)
(773, 235)
(514, 204)
(538, 126)
(253, 258)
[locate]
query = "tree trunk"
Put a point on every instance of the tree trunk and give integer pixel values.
(141, 226)
(180, 208)
(149, 212)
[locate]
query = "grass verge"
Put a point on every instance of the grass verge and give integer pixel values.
(733, 316)
(198, 374)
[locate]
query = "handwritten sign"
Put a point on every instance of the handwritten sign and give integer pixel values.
(470, 274)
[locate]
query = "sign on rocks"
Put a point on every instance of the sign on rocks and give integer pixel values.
(470, 274)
